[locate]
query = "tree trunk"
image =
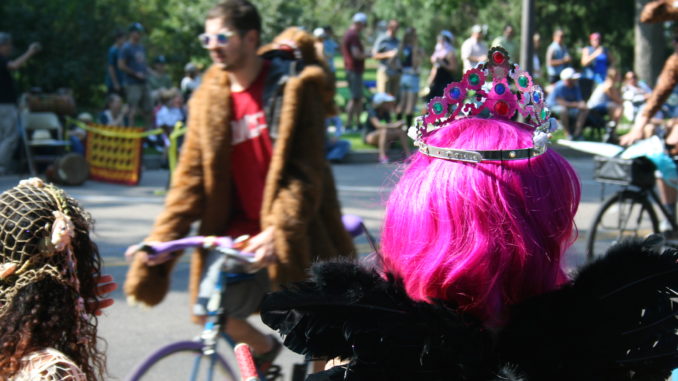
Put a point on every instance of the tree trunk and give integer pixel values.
(650, 47)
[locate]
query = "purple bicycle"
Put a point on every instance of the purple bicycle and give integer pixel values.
(199, 359)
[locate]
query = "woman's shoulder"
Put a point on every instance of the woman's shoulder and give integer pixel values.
(48, 364)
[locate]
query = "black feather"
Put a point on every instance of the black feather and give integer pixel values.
(616, 321)
(350, 312)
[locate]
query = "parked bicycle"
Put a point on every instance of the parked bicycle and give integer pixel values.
(629, 212)
(202, 359)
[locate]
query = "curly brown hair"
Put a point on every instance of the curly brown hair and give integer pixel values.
(44, 313)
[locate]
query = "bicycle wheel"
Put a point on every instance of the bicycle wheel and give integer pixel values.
(625, 214)
(183, 361)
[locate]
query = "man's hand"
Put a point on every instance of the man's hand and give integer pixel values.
(636, 132)
(146, 257)
(263, 247)
(34, 48)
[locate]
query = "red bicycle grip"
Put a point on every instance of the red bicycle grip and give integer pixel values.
(243, 355)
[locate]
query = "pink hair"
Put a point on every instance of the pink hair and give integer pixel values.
(483, 235)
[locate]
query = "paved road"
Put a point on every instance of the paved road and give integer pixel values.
(124, 215)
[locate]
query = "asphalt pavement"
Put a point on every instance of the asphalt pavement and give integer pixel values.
(124, 215)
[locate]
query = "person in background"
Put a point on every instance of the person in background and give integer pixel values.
(606, 98)
(116, 113)
(330, 47)
(333, 120)
(132, 62)
(191, 80)
(354, 63)
(385, 50)
(443, 65)
(253, 163)
(381, 130)
(567, 102)
(635, 93)
(319, 44)
(536, 63)
(411, 56)
(115, 80)
(158, 78)
(473, 50)
(557, 57)
(169, 114)
(596, 59)
(507, 42)
(9, 134)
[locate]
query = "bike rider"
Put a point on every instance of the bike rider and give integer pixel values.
(252, 163)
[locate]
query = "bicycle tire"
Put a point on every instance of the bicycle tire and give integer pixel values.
(187, 351)
(629, 220)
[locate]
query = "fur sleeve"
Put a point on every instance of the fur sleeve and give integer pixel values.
(665, 84)
(183, 205)
(659, 11)
(294, 185)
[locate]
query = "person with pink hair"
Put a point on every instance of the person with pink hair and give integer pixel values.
(475, 233)
(469, 281)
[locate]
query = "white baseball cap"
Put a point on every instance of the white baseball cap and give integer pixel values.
(379, 98)
(319, 32)
(360, 17)
(569, 73)
(477, 29)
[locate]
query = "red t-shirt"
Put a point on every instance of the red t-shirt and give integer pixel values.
(251, 155)
(352, 39)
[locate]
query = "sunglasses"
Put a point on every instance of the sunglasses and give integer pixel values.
(221, 38)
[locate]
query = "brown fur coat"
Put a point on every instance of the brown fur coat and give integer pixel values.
(299, 197)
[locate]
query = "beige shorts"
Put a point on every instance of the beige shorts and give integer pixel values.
(386, 83)
(139, 96)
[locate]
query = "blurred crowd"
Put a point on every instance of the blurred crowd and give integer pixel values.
(585, 86)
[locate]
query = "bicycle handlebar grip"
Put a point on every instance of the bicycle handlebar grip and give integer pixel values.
(185, 243)
(248, 371)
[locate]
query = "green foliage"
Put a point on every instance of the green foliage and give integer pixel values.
(77, 33)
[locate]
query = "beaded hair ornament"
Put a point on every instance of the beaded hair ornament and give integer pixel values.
(474, 95)
(36, 233)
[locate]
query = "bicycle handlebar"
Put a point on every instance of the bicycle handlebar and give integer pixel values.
(221, 244)
(157, 248)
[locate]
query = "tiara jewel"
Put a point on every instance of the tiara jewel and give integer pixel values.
(475, 95)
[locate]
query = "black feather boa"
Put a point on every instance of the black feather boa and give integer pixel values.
(615, 321)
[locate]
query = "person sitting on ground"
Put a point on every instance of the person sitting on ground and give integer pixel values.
(380, 131)
(49, 275)
(567, 102)
(469, 282)
(606, 98)
(116, 113)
